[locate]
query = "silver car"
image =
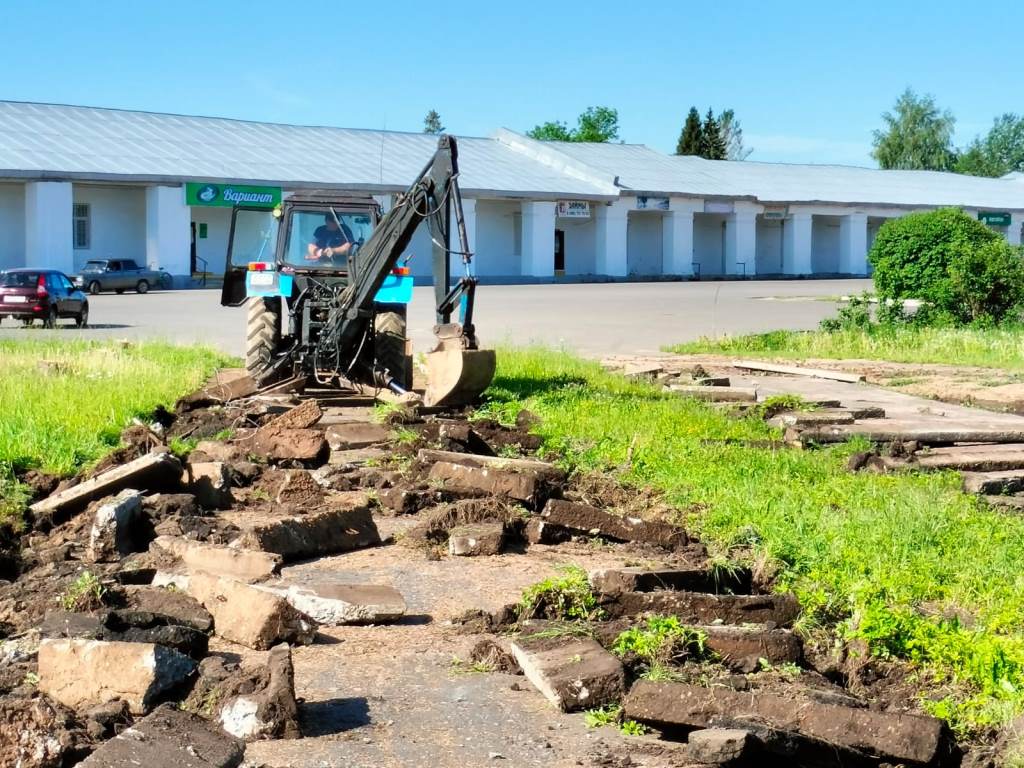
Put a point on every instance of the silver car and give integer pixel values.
(119, 275)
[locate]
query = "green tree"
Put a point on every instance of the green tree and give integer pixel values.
(551, 131)
(732, 136)
(917, 135)
(999, 152)
(712, 145)
(432, 122)
(690, 137)
(598, 124)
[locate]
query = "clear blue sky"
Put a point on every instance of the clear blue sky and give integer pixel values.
(808, 80)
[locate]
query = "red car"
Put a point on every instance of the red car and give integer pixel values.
(44, 294)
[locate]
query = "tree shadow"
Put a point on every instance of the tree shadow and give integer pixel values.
(324, 718)
(528, 386)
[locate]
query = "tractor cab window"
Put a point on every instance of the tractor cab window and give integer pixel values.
(253, 236)
(325, 238)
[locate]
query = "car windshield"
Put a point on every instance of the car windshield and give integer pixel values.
(19, 279)
(94, 266)
(323, 238)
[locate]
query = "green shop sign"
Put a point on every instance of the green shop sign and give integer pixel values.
(994, 218)
(228, 195)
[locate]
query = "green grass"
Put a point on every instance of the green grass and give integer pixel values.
(869, 555)
(993, 348)
(70, 411)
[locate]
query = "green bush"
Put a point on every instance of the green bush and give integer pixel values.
(963, 271)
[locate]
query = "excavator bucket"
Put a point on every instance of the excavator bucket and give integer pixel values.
(458, 376)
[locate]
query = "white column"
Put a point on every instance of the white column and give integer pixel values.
(538, 239)
(853, 244)
(796, 244)
(48, 219)
(167, 231)
(610, 242)
(1013, 233)
(741, 242)
(677, 239)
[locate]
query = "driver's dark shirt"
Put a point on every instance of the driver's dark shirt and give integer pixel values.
(324, 237)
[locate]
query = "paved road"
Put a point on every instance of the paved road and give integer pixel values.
(593, 319)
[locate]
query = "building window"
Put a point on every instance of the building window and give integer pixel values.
(82, 228)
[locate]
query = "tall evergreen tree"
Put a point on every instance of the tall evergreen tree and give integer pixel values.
(732, 136)
(712, 145)
(691, 136)
(432, 122)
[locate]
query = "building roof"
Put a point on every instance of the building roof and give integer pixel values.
(637, 168)
(56, 141)
(39, 141)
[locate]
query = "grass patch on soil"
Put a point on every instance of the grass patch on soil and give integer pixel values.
(876, 557)
(65, 403)
(989, 347)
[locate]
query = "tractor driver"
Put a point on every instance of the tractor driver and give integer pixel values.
(330, 240)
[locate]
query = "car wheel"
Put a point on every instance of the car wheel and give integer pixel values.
(94, 287)
(82, 318)
(142, 286)
(27, 321)
(51, 318)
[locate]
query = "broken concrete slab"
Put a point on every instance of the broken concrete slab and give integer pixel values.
(126, 626)
(720, 746)
(355, 434)
(356, 457)
(461, 478)
(345, 524)
(914, 739)
(701, 608)
(286, 444)
(296, 489)
(338, 604)
(302, 416)
(215, 450)
(114, 531)
(169, 738)
(611, 581)
(245, 614)
(525, 466)
(572, 673)
(176, 605)
(237, 563)
(586, 519)
(715, 394)
(79, 672)
(811, 418)
(642, 371)
(476, 539)
(1010, 481)
(210, 483)
(154, 471)
(742, 647)
(969, 458)
(903, 431)
(225, 385)
(267, 708)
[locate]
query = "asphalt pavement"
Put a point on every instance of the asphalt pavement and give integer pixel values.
(593, 319)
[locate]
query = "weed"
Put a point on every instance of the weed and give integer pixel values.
(632, 728)
(661, 673)
(566, 597)
(182, 447)
(463, 667)
(661, 640)
(258, 494)
(84, 594)
(31, 678)
(776, 404)
(405, 436)
(224, 435)
(564, 629)
(602, 716)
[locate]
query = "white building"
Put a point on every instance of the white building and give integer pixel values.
(79, 183)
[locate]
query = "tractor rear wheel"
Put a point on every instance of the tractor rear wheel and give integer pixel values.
(390, 345)
(262, 335)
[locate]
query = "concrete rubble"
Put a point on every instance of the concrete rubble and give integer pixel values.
(193, 559)
(572, 673)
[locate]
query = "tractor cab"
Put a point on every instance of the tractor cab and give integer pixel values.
(271, 251)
